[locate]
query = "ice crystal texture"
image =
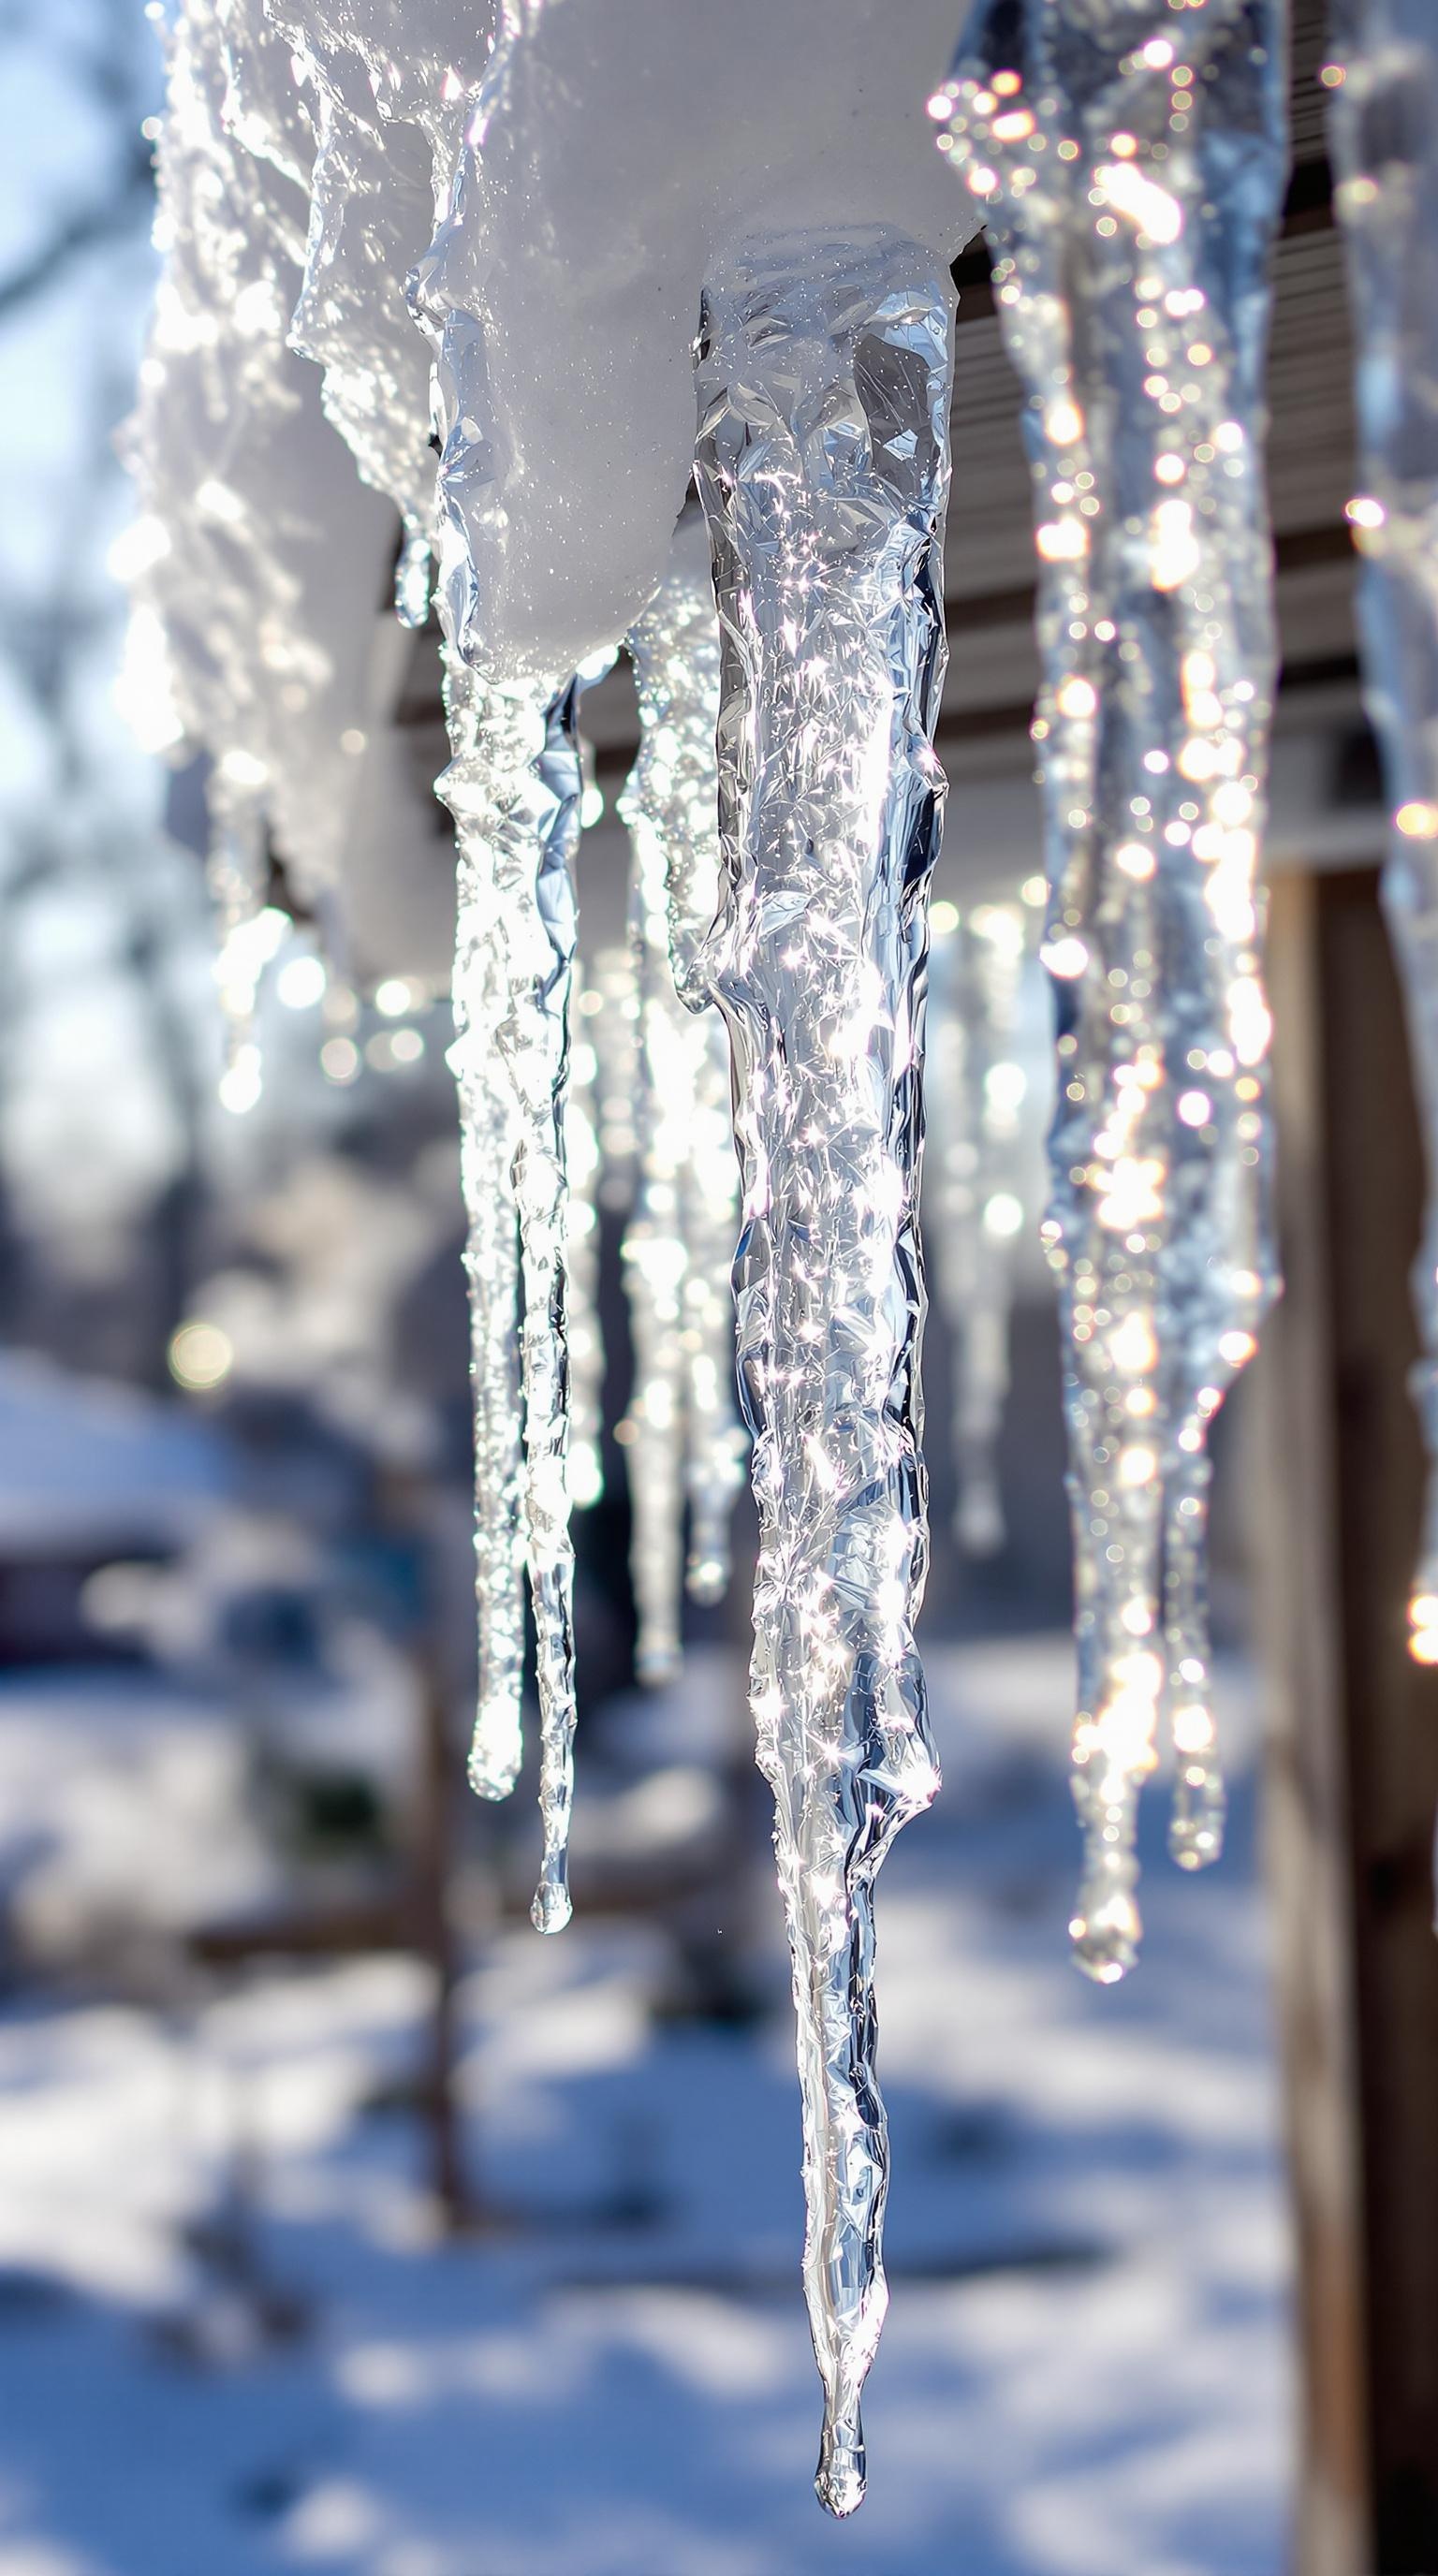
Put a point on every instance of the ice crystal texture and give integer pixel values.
(1383, 118)
(514, 790)
(1130, 161)
(823, 383)
(388, 92)
(972, 1216)
(473, 792)
(584, 1160)
(686, 1443)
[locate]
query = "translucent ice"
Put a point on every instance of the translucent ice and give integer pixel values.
(1130, 161)
(686, 1441)
(584, 1162)
(388, 91)
(514, 789)
(823, 376)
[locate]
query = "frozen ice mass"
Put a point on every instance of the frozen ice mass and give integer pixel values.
(1138, 332)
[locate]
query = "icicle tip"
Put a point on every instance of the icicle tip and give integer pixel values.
(490, 1779)
(840, 2478)
(552, 1906)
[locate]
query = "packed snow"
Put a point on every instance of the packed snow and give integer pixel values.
(231, 2340)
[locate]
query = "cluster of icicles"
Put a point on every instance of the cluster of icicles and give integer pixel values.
(323, 172)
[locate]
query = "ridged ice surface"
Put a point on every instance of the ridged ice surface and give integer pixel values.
(513, 787)
(1130, 161)
(972, 1216)
(1383, 118)
(599, 1113)
(686, 1446)
(371, 212)
(387, 92)
(476, 797)
(823, 384)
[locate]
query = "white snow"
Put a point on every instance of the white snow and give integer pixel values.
(1084, 2366)
(259, 556)
(619, 147)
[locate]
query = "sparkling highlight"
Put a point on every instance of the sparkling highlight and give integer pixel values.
(1131, 283)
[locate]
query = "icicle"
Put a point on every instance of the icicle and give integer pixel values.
(1131, 161)
(974, 1095)
(514, 959)
(238, 872)
(685, 1439)
(473, 792)
(718, 1444)
(390, 90)
(538, 929)
(1383, 117)
(514, 789)
(823, 379)
(581, 1254)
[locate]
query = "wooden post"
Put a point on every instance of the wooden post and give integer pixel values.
(1336, 1480)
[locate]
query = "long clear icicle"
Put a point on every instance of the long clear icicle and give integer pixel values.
(1131, 160)
(972, 1217)
(1383, 118)
(581, 1257)
(823, 382)
(237, 868)
(514, 789)
(486, 1124)
(686, 1444)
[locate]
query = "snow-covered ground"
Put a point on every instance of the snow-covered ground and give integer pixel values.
(230, 2343)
